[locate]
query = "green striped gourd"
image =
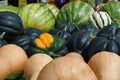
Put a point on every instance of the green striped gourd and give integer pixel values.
(75, 12)
(37, 15)
(113, 9)
(100, 19)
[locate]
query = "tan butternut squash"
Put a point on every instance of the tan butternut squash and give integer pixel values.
(16, 57)
(35, 64)
(75, 55)
(67, 68)
(106, 65)
(4, 68)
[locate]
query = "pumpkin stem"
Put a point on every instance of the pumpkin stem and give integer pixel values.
(2, 35)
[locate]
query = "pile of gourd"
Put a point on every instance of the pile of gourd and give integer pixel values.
(76, 42)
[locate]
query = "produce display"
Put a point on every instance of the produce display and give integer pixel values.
(70, 40)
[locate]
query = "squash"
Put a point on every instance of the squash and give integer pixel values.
(37, 15)
(32, 32)
(64, 30)
(49, 44)
(35, 64)
(75, 55)
(2, 41)
(108, 39)
(74, 12)
(100, 19)
(24, 42)
(11, 24)
(106, 65)
(4, 68)
(63, 34)
(112, 8)
(17, 58)
(67, 68)
(80, 40)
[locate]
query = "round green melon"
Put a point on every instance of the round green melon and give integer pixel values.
(10, 8)
(113, 9)
(37, 15)
(74, 12)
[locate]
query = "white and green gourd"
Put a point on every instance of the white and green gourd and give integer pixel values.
(100, 19)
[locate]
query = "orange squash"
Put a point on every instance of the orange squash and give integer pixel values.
(106, 65)
(35, 64)
(4, 68)
(67, 68)
(75, 55)
(16, 57)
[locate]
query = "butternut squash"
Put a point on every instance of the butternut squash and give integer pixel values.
(75, 55)
(106, 65)
(16, 57)
(4, 68)
(35, 64)
(67, 68)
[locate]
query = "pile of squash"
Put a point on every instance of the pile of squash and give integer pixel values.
(89, 50)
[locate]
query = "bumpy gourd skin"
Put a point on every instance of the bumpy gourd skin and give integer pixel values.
(108, 39)
(49, 44)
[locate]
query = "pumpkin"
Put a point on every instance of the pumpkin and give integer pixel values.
(16, 58)
(104, 64)
(107, 39)
(100, 19)
(67, 68)
(74, 12)
(112, 8)
(35, 64)
(2, 41)
(32, 32)
(49, 44)
(11, 24)
(37, 15)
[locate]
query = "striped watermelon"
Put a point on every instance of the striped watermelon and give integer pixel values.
(113, 9)
(37, 15)
(75, 12)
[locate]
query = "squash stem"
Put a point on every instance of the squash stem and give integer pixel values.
(2, 35)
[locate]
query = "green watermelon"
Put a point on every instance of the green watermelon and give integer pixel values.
(37, 15)
(113, 9)
(74, 12)
(10, 8)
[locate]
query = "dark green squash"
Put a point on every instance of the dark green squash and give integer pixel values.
(81, 39)
(23, 41)
(63, 34)
(108, 39)
(49, 44)
(11, 24)
(32, 32)
(70, 28)
(64, 30)
(2, 41)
